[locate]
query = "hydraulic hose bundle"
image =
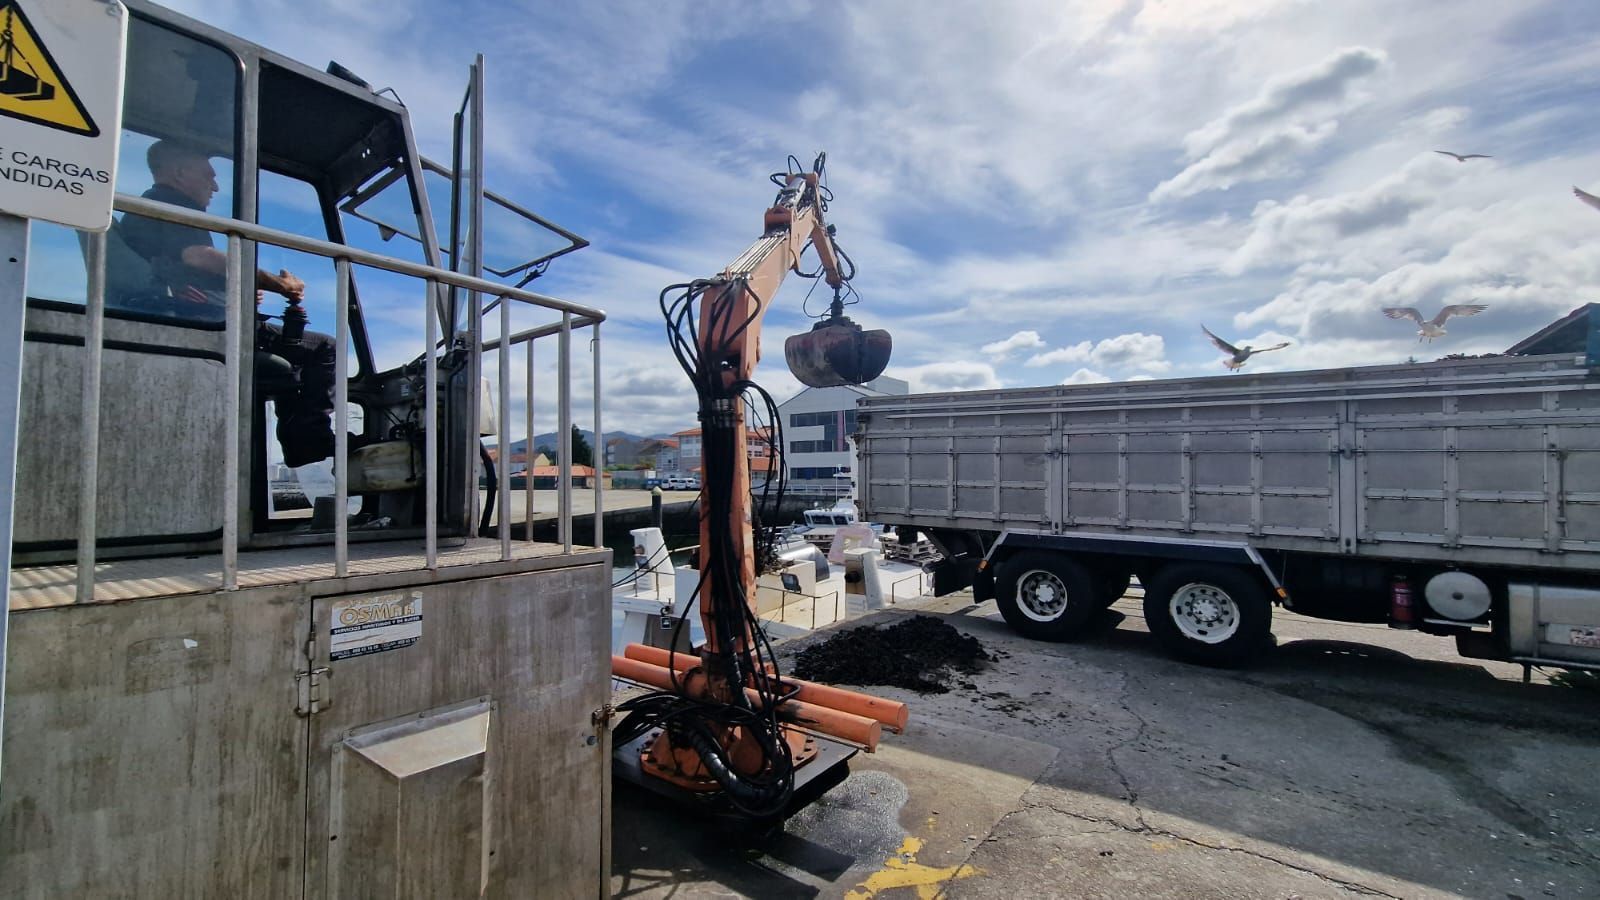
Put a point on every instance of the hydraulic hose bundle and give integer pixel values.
(726, 722)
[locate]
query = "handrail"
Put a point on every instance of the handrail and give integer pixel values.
(249, 231)
(918, 575)
(237, 284)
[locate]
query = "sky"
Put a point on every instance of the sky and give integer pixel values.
(1034, 193)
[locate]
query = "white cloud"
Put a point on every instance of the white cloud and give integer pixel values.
(1329, 83)
(1079, 352)
(1302, 228)
(1272, 155)
(1022, 340)
(1136, 350)
(1432, 234)
(1085, 376)
(1039, 128)
(1265, 137)
(958, 375)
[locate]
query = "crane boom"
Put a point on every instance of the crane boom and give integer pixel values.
(728, 724)
(730, 343)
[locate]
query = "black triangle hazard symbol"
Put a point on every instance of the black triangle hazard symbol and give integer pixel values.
(32, 86)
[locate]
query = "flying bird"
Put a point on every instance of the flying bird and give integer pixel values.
(1586, 197)
(1237, 355)
(1463, 157)
(1433, 327)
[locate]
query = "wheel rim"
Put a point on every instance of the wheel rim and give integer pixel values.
(1041, 595)
(1204, 613)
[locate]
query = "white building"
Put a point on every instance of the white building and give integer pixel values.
(817, 424)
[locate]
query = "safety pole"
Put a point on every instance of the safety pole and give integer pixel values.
(341, 424)
(94, 326)
(598, 454)
(527, 472)
(233, 353)
(503, 428)
(13, 312)
(564, 437)
(430, 433)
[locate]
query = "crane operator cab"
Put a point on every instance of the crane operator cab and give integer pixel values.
(217, 125)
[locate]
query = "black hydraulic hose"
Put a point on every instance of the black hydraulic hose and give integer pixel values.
(753, 797)
(494, 486)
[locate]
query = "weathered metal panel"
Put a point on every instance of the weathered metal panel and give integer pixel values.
(534, 648)
(158, 472)
(410, 803)
(1499, 458)
(166, 759)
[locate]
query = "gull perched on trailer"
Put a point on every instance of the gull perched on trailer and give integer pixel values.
(1434, 327)
(1238, 355)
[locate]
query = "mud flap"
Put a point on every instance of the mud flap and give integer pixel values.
(951, 575)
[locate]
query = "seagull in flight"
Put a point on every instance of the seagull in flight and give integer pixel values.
(1434, 327)
(1237, 355)
(1463, 157)
(1586, 197)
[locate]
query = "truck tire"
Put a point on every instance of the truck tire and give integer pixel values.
(1046, 596)
(1113, 585)
(1209, 614)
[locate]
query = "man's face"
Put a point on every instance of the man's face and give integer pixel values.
(196, 179)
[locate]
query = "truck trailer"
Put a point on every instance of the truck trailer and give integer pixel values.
(1460, 497)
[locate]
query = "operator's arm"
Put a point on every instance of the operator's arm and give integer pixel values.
(210, 259)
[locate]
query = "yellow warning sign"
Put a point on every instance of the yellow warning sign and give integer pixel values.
(32, 86)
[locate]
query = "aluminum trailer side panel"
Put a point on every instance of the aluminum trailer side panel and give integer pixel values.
(1496, 461)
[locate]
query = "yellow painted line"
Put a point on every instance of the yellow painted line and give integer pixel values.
(903, 871)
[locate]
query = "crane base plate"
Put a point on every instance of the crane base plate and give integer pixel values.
(821, 774)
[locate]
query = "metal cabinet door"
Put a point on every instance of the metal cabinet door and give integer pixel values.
(455, 751)
(152, 749)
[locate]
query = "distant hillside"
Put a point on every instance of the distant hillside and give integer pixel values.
(549, 439)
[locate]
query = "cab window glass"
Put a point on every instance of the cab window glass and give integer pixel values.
(181, 94)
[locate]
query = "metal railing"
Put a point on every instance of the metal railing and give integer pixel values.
(236, 289)
(783, 604)
(895, 585)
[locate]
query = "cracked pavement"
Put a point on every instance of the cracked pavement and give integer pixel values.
(1353, 761)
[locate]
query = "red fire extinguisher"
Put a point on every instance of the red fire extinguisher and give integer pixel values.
(1402, 608)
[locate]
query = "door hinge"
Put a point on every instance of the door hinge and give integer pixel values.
(601, 718)
(312, 693)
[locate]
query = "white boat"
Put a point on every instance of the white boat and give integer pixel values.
(821, 528)
(808, 589)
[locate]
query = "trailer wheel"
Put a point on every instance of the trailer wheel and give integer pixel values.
(1046, 596)
(1211, 615)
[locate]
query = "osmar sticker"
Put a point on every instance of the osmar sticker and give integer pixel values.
(363, 625)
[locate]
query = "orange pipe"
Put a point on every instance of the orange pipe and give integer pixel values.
(657, 656)
(891, 713)
(842, 725)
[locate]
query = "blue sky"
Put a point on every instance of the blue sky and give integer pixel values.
(1034, 192)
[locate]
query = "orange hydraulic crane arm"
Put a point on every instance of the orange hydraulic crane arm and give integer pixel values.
(727, 724)
(730, 345)
(753, 279)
